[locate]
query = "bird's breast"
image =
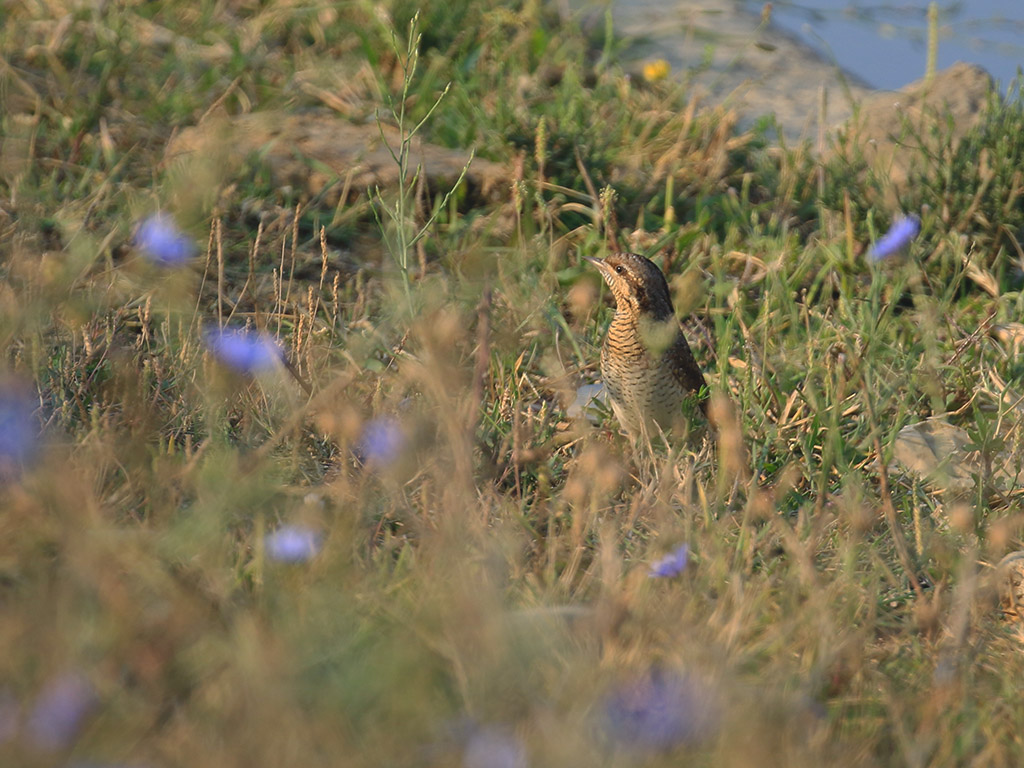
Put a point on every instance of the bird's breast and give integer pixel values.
(641, 384)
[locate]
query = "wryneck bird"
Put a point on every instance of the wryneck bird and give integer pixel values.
(648, 368)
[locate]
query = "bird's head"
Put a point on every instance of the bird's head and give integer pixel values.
(637, 284)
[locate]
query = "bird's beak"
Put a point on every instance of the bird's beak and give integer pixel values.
(599, 263)
(602, 267)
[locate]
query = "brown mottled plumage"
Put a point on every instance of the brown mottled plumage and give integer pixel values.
(647, 365)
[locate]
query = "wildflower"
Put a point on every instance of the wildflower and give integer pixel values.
(903, 230)
(293, 544)
(382, 441)
(656, 70)
(492, 747)
(658, 712)
(160, 241)
(19, 430)
(245, 351)
(672, 564)
(59, 711)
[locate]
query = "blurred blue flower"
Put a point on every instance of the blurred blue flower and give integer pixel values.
(19, 430)
(59, 711)
(658, 712)
(160, 241)
(382, 441)
(245, 351)
(903, 230)
(293, 544)
(493, 747)
(672, 564)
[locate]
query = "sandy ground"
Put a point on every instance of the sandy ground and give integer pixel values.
(733, 57)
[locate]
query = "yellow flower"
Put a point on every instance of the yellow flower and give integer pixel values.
(656, 70)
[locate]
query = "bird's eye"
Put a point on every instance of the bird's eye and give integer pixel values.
(619, 269)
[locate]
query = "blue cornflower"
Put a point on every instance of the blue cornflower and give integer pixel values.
(903, 230)
(658, 712)
(59, 711)
(672, 564)
(382, 441)
(160, 241)
(293, 544)
(19, 430)
(492, 747)
(245, 351)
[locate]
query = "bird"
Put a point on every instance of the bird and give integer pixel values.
(649, 371)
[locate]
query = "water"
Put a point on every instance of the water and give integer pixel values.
(885, 43)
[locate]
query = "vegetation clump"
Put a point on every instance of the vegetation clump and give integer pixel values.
(290, 483)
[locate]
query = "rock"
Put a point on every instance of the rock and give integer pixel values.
(936, 451)
(1010, 577)
(891, 128)
(729, 56)
(1012, 335)
(591, 401)
(733, 57)
(321, 154)
(943, 456)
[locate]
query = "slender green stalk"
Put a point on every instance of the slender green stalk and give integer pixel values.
(401, 214)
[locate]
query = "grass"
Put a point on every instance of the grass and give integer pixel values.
(480, 595)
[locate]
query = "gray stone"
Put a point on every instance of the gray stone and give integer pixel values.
(734, 58)
(892, 128)
(325, 154)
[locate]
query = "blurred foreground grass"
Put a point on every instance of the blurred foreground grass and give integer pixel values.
(397, 549)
